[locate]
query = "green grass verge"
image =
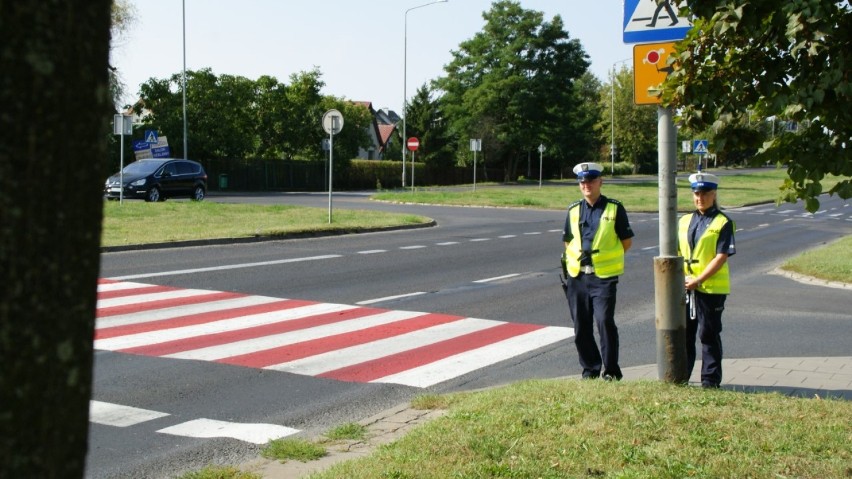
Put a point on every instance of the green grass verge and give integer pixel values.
(637, 429)
(220, 472)
(735, 190)
(293, 449)
(831, 262)
(137, 222)
(350, 430)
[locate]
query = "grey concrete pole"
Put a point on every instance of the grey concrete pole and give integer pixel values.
(668, 267)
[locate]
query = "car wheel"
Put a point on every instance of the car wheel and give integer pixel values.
(153, 195)
(198, 193)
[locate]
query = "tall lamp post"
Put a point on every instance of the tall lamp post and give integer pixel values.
(405, 81)
(612, 114)
(183, 12)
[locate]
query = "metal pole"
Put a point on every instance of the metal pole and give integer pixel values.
(474, 169)
(412, 171)
(121, 167)
(668, 267)
(540, 158)
(404, 90)
(183, 12)
(405, 80)
(330, 162)
(612, 119)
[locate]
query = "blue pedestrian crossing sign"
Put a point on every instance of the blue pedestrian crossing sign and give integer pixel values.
(151, 136)
(652, 21)
(699, 147)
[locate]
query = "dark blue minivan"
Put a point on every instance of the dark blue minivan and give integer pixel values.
(155, 179)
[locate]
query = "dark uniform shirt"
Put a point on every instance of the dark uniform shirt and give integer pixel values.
(698, 225)
(590, 218)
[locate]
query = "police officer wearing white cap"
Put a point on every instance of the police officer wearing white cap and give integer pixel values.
(706, 240)
(597, 233)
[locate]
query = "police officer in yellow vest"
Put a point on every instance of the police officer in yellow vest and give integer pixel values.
(596, 235)
(706, 240)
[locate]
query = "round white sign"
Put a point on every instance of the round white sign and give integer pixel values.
(332, 122)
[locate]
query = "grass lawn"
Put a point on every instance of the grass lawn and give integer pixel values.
(137, 222)
(734, 190)
(637, 429)
(832, 262)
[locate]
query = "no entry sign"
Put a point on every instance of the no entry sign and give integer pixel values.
(413, 143)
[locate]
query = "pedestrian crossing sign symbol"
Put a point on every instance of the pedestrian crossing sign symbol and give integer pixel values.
(651, 21)
(151, 136)
(699, 147)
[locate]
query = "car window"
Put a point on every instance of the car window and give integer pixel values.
(170, 169)
(184, 168)
(141, 167)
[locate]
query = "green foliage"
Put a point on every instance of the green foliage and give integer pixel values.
(424, 120)
(513, 86)
(632, 128)
(789, 61)
(347, 431)
(232, 117)
(297, 449)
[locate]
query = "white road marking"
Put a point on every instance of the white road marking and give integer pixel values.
(226, 267)
(209, 428)
(416, 246)
(453, 366)
(117, 415)
(263, 343)
(532, 233)
(342, 358)
(474, 240)
(496, 278)
(185, 310)
(507, 236)
(389, 298)
(145, 298)
(243, 322)
(447, 243)
(373, 251)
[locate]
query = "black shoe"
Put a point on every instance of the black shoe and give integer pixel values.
(611, 377)
(709, 385)
(591, 375)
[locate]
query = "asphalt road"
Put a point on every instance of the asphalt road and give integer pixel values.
(491, 267)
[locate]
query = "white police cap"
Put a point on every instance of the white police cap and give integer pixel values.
(588, 171)
(703, 181)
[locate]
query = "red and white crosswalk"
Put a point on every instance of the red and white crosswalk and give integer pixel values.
(335, 341)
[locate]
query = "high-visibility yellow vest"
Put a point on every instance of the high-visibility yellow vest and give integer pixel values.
(607, 250)
(695, 260)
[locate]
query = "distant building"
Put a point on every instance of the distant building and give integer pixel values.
(381, 131)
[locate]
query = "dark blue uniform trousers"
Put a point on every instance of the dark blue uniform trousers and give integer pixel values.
(708, 326)
(591, 301)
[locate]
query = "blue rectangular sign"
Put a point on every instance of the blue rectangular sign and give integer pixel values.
(161, 152)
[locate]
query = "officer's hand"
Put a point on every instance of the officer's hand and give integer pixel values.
(690, 283)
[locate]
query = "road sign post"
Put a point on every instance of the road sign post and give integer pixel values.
(122, 125)
(412, 144)
(541, 149)
(475, 145)
(332, 123)
(649, 22)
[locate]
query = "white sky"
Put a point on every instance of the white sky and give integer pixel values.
(356, 44)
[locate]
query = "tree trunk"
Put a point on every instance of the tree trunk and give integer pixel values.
(53, 120)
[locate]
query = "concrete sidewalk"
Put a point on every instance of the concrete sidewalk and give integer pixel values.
(800, 377)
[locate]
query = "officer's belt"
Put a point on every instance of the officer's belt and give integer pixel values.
(588, 269)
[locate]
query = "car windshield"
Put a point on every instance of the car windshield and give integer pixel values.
(142, 167)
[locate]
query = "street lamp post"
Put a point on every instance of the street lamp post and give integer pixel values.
(405, 81)
(612, 115)
(183, 14)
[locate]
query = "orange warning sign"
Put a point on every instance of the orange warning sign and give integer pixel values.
(650, 69)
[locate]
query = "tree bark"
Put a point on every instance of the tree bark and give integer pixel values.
(56, 108)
